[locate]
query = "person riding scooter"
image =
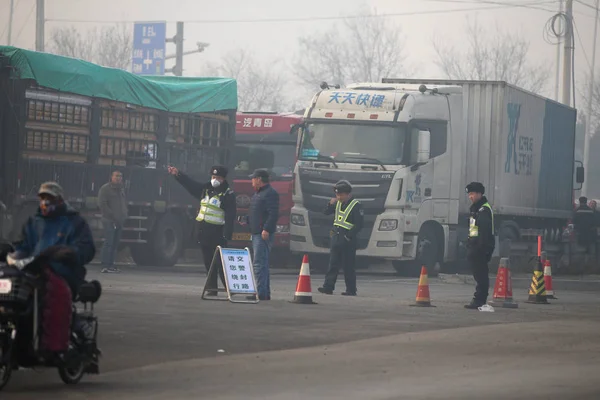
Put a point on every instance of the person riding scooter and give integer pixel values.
(59, 234)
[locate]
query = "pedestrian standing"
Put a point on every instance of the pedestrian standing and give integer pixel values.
(263, 215)
(481, 242)
(113, 206)
(348, 220)
(216, 215)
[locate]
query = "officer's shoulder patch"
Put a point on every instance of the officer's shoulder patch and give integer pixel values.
(361, 211)
(482, 209)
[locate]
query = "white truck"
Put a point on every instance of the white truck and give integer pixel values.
(409, 148)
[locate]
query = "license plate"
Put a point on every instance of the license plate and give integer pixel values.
(5, 286)
(241, 236)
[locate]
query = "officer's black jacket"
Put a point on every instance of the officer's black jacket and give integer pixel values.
(356, 217)
(484, 244)
(208, 231)
(585, 221)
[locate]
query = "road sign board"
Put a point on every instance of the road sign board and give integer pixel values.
(236, 265)
(149, 45)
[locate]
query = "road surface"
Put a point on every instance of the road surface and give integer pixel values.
(161, 341)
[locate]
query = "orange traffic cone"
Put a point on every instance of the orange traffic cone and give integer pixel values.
(423, 299)
(548, 279)
(503, 287)
(303, 289)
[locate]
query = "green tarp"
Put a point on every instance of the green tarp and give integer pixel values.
(169, 93)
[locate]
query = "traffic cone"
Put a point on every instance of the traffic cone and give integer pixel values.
(423, 299)
(303, 289)
(503, 287)
(537, 290)
(548, 279)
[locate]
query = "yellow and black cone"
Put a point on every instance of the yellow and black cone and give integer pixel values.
(537, 290)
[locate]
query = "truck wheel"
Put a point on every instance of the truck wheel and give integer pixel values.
(167, 240)
(428, 255)
(142, 254)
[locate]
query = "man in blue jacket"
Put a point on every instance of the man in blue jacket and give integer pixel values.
(60, 233)
(263, 215)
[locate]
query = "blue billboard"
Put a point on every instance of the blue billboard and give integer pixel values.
(149, 44)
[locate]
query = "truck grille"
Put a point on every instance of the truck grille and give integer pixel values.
(371, 188)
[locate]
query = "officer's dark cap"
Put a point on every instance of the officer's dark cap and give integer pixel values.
(475, 187)
(219, 170)
(261, 173)
(342, 187)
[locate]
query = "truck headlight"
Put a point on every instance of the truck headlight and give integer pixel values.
(388, 225)
(298, 219)
(283, 228)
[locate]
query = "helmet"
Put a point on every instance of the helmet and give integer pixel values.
(342, 187)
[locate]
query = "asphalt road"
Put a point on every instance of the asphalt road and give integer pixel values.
(161, 341)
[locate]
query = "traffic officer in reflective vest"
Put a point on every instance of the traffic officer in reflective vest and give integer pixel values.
(347, 222)
(216, 214)
(481, 242)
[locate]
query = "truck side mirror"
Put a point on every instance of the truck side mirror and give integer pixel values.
(423, 146)
(580, 174)
(294, 129)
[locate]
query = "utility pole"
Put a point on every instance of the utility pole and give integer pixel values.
(177, 69)
(10, 21)
(557, 78)
(588, 120)
(568, 53)
(39, 25)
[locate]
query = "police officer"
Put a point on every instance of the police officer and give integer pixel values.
(481, 242)
(584, 220)
(215, 217)
(347, 222)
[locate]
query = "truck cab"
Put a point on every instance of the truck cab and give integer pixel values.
(409, 149)
(263, 140)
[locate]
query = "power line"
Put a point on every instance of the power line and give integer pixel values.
(585, 4)
(530, 5)
(26, 20)
(10, 16)
(581, 44)
(308, 19)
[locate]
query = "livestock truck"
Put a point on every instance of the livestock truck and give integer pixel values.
(75, 122)
(409, 148)
(263, 141)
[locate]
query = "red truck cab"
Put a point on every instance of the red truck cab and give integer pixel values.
(263, 140)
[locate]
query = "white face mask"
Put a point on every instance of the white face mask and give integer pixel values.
(215, 183)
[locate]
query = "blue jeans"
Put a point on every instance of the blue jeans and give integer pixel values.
(262, 250)
(112, 236)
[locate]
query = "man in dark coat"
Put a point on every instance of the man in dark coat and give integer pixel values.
(216, 215)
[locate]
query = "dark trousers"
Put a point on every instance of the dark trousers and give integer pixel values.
(343, 255)
(112, 237)
(480, 269)
(208, 251)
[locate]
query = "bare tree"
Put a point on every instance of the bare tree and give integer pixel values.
(594, 118)
(499, 55)
(109, 46)
(260, 87)
(359, 49)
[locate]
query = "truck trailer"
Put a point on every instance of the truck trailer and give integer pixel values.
(75, 122)
(409, 148)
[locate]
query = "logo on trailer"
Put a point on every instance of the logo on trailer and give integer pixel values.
(514, 113)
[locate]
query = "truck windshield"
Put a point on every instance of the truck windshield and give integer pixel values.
(278, 158)
(363, 144)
